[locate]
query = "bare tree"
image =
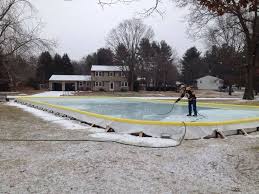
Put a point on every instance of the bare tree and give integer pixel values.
(146, 12)
(242, 20)
(129, 33)
(243, 12)
(19, 33)
(225, 31)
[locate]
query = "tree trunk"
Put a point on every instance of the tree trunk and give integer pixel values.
(230, 89)
(250, 70)
(249, 93)
(251, 53)
(164, 80)
(249, 90)
(132, 82)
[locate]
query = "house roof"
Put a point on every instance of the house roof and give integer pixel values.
(70, 78)
(108, 68)
(210, 77)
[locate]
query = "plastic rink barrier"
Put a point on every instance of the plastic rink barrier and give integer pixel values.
(129, 116)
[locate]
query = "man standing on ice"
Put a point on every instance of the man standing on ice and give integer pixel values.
(187, 91)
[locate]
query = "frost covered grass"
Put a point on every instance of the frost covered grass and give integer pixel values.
(16, 123)
(63, 122)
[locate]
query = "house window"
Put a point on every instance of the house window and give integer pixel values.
(80, 84)
(99, 84)
(99, 74)
(200, 82)
(124, 84)
(111, 74)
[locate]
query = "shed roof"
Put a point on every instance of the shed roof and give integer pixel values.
(108, 68)
(209, 77)
(70, 78)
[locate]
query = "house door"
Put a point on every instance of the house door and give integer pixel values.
(111, 86)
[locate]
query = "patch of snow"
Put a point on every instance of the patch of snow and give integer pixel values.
(253, 136)
(54, 94)
(134, 140)
(65, 123)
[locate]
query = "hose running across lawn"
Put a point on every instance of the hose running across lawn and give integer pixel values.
(86, 140)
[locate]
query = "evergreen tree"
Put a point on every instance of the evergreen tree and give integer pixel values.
(145, 59)
(78, 67)
(191, 66)
(122, 58)
(105, 56)
(156, 63)
(67, 65)
(168, 73)
(156, 60)
(44, 69)
(224, 62)
(121, 55)
(89, 61)
(57, 66)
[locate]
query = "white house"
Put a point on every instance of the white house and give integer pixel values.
(70, 82)
(209, 83)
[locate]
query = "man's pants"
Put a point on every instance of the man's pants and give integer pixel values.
(192, 105)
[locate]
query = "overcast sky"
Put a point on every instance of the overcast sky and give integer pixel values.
(81, 26)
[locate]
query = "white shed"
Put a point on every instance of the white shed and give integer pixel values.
(209, 83)
(70, 82)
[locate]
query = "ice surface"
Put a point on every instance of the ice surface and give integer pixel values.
(146, 110)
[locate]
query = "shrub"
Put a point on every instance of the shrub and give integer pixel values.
(32, 82)
(123, 90)
(136, 86)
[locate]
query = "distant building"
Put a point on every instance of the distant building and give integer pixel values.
(109, 78)
(70, 82)
(209, 83)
